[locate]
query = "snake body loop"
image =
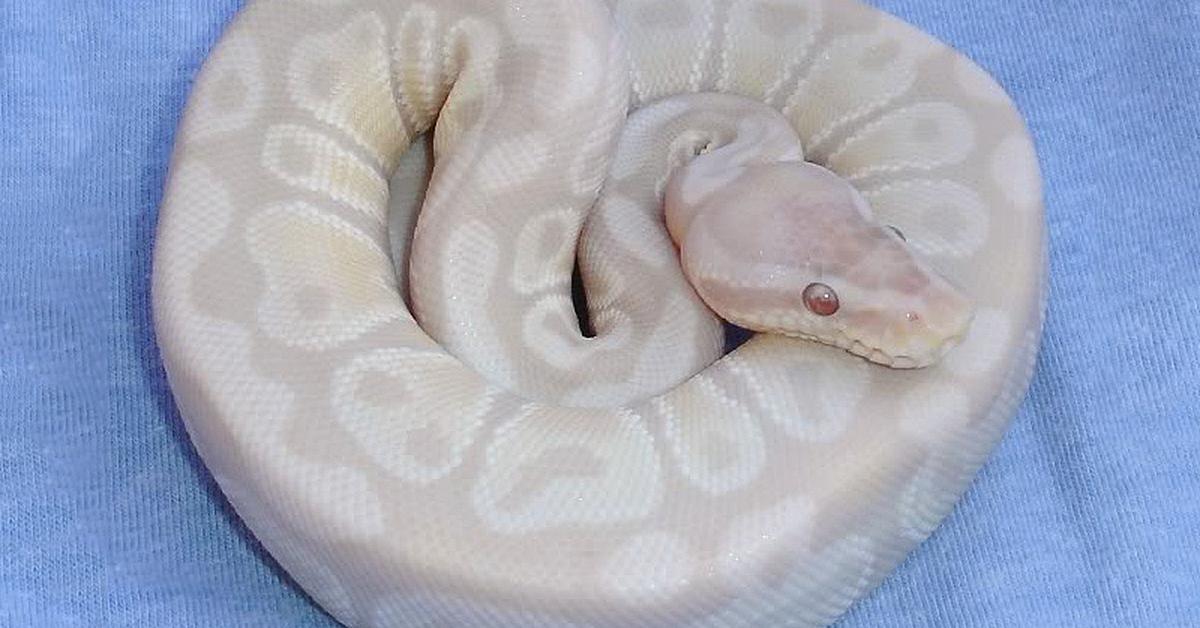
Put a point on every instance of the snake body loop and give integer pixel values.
(441, 445)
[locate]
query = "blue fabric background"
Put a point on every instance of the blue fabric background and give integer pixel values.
(1088, 514)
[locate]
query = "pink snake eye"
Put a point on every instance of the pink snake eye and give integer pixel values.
(821, 300)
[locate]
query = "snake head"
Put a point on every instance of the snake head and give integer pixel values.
(791, 248)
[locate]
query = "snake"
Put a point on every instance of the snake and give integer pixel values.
(595, 312)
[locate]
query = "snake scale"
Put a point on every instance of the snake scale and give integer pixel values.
(363, 293)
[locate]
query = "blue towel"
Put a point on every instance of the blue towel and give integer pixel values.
(1088, 514)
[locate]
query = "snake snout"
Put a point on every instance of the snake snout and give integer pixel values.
(935, 329)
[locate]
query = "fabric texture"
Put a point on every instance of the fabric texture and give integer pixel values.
(1087, 514)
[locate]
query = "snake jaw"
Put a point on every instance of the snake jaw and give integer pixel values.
(923, 344)
(919, 347)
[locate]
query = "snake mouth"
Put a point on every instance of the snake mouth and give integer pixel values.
(921, 350)
(879, 356)
(931, 347)
(843, 340)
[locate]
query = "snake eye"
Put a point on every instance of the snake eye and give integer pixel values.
(898, 232)
(821, 300)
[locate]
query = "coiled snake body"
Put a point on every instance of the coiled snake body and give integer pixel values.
(417, 429)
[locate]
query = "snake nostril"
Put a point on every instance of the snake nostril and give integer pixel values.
(898, 232)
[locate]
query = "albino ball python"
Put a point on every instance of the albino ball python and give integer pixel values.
(418, 430)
